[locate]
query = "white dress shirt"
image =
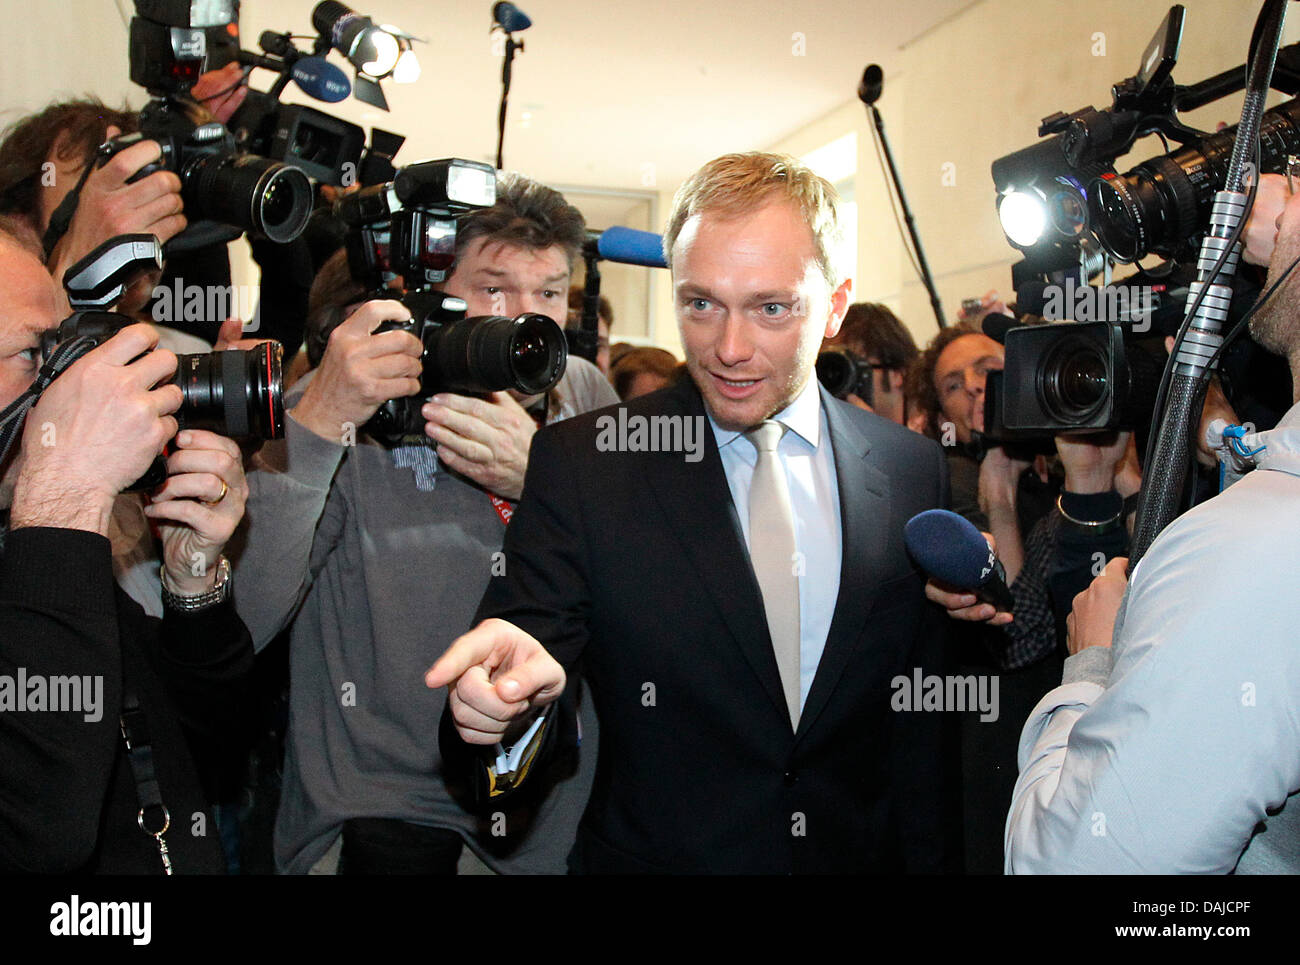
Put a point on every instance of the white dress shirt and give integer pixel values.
(809, 464)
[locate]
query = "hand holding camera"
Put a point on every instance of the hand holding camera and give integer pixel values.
(112, 203)
(199, 507)
(486, 440)
(95, 431)
(360, 370)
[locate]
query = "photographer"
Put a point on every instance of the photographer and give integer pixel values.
(43, 156)
(74, 789)
(383, 553)
(874, 333)
(1170, 745)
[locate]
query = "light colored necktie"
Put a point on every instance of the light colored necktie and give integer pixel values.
(772, 552)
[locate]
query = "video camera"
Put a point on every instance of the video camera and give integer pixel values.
(1062, 203)
(239, 394)
(406, 230)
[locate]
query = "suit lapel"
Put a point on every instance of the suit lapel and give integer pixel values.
(696, 500)
(864, 512)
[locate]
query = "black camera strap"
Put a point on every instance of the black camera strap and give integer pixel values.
(61, 220)
(15, 414)
(139, 752)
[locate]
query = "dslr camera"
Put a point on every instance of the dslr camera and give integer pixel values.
(846, 373)
(406, 229)
(239, 394)
(220, 184)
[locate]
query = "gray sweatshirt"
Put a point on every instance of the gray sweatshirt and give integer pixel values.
(382, 576)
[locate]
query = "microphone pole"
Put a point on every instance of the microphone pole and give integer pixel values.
(509, 18)
(1209, 297)
(869, 91)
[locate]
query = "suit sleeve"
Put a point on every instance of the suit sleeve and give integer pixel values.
(543, 591)
(59, 618)
(925, 756)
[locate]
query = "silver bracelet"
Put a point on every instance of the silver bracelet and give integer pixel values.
(1096, 527)
(189, 604)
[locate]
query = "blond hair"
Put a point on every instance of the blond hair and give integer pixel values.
(737, 184)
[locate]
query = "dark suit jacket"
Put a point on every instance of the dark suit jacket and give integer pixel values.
(631, 567)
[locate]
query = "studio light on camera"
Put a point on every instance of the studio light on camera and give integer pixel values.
(374, 50)
(1024, 216)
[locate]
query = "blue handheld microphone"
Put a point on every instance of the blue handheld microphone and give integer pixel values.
(953, 551)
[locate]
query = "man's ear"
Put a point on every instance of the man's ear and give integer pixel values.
(896, 377)
(839, 307)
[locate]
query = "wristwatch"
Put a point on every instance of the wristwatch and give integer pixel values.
(189, 604)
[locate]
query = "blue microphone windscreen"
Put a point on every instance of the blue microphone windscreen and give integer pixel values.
(949, 548)
(317, 77)
(511, 17)
(632, 247)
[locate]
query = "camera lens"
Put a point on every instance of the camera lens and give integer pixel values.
(234, 393)
(1073, 379)
(249, 192)
(492, 353)
(837, 371)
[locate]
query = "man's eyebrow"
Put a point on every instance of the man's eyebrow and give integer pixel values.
(771, 295)
(692, 289)
(502, 273)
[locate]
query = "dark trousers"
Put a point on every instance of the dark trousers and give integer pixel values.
(387, 846)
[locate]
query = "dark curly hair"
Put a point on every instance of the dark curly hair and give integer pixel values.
(920, 386)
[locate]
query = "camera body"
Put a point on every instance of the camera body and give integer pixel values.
(239, 394)
(468, 356)
(220, 184)
(846, 373)
(406, 229)
(1072, 377)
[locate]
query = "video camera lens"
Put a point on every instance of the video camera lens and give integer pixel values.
(239, 394)
(1163, 202)
(249, 192)
(491, 353)
(1073, 379)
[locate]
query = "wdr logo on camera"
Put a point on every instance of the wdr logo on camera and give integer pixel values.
(1131, 305)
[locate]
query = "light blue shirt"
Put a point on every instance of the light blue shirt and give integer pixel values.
(1175, 750)
(809, 464)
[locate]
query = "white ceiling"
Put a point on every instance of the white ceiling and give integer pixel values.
(622, 93)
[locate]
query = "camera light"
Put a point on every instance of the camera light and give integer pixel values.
(1024, 216)
(471, 185)
(375, 52)
(407, 70)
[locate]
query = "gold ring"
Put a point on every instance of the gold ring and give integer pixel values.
(224, 489)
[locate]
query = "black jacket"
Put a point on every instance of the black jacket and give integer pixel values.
(68, 801)
(633, 564)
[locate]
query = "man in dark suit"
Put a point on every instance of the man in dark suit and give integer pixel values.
(724, 562)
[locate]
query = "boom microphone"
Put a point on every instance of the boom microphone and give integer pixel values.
(510, 17)
(629, 246)
(953, 551)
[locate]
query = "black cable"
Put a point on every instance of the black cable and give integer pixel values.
(895, 204)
